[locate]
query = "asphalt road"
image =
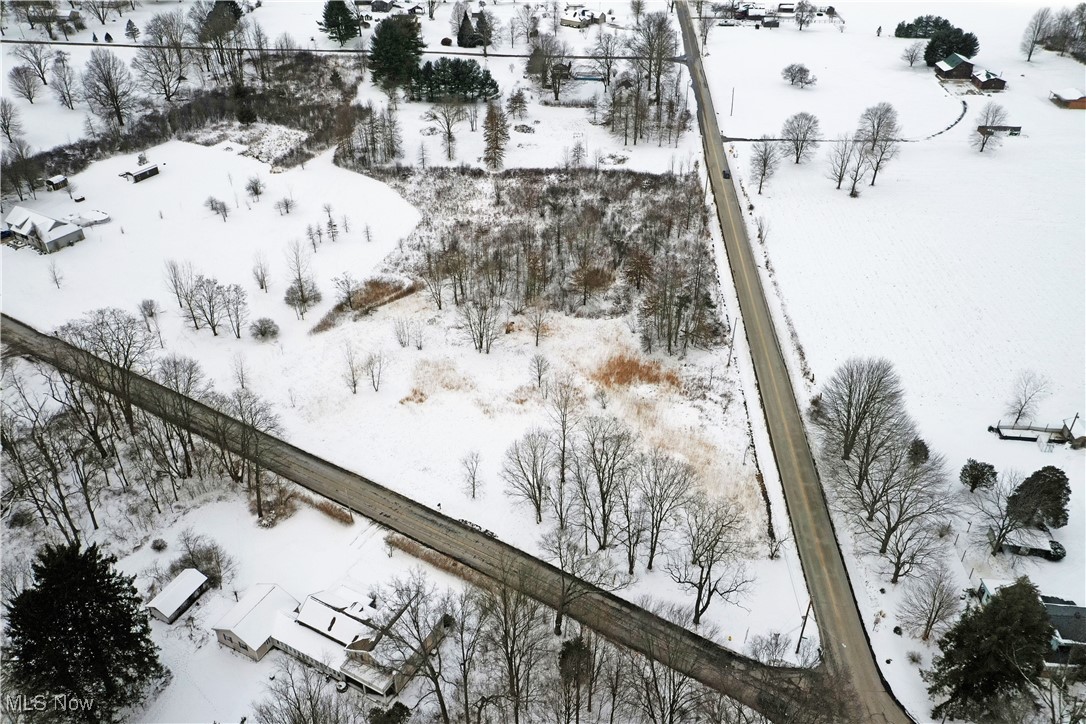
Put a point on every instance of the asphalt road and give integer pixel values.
(844, 641)
(770, 690)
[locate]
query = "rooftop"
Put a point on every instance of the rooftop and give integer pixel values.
(253, 617)
(177, 592)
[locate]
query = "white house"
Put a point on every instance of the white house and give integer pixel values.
(247, 627)
(42, 232)
(178, 595)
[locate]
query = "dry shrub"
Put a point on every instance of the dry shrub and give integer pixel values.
(279, 503)
(437, 560)
(417, 396)
(624, 369)
(334, 511)
(377, 291)
(522, 394)
(327, 321)
(442, 374)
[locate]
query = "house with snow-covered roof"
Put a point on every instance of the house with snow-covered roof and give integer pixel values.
(1068, 643)
(180, 593)
(40, 231)
(247, 627)
(1069, 98)
(987, 80)
(954, 67)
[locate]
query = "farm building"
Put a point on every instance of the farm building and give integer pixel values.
(1069, 622)
(247, 627)
(55, 183)
(178, 595)
(43, 233)
(987, 80)
(140, 174)
(954, 67)
(1069, 98)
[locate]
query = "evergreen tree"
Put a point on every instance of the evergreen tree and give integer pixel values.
(338, 22)
(951, 40)
(131, 31)
(395, 51)
(496, 135)
(992, 654)
(517, 103)
(466, 35)
(977, 475)
(80, 631)
(1041, 499)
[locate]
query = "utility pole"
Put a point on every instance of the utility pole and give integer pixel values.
(804, 626)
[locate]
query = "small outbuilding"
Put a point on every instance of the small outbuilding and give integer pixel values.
(140, 174)
(178, 595)
(41, 232)
(55, 183)
(954, 67)
(987, 80)
(1069, 98)
(1069, 633)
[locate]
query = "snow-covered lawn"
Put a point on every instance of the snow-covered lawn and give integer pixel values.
(961, 268)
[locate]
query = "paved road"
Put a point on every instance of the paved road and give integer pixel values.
(844, 640)
(766, 689)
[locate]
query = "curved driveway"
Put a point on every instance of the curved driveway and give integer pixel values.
(844, 641)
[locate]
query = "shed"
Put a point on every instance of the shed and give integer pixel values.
(1069, 98)
(55, 183)
(178, 595)
(989, 586)
(43, 233)
(248, 626)
(954, 67)
(140, 174)
(987, 80)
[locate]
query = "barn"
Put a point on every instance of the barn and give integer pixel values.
(954, 67)
(140, 174)
(987, 80)
(1069, 98)
(178, 595)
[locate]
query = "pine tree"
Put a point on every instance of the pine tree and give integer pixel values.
(395, 51)
(496, 135)
(951, 40)
(338, 22)
(976, 474)
(992, 654)
(465, 37)
(1041, 499)
(517, 104)
(80, 631)
(131, 30)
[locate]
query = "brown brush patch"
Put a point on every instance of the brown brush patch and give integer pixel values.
(333, 510)
(436, 559)
(623, 369)
(417, 397)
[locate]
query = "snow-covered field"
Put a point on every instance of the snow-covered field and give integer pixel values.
(959, 267)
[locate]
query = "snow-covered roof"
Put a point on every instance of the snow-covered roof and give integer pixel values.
(57, 179)
(1068, 94)
(177, 592)
(994, 584)
(338, 614)
(1030, 538)
(1069, 621)
(289, 632)
(982, 74)
(31, 223)
(141, 169)
(253, 617)
(943, 65)
(953, 61)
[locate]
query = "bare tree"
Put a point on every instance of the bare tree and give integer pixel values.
(538, 319)
(710, 560)
(765, 155)
(631, 520)
(100, 9)
(804, 14)
(994, 517)
(108, 86)
(666, 486)
(36, 56)
(798, 74)
(480, 318)
(991, 115)
(1058, 692)
(209, 298)
(302, 292)
(10, 125)
(55, 275)
(374, 366)
(604, 456)
(637, 9)
(299, 692)
(843, 150)
(930, 603)
(469, 464)
(860, 391)
(260, 271)
(659, 693)
(446, 115)
(913, 53)
(346, 285)
(1036, 31)
(1028, 391)
(605, 55)
(414, 629)
(579, 567)
(467, 673)
(25, 83)
(160, 67)
(539, 367)
(877, 123)
(65, 85)
(800, 134)
(527, 469)
(857, 171)
(217, 206)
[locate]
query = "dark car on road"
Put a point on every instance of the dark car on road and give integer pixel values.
(727, 174)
